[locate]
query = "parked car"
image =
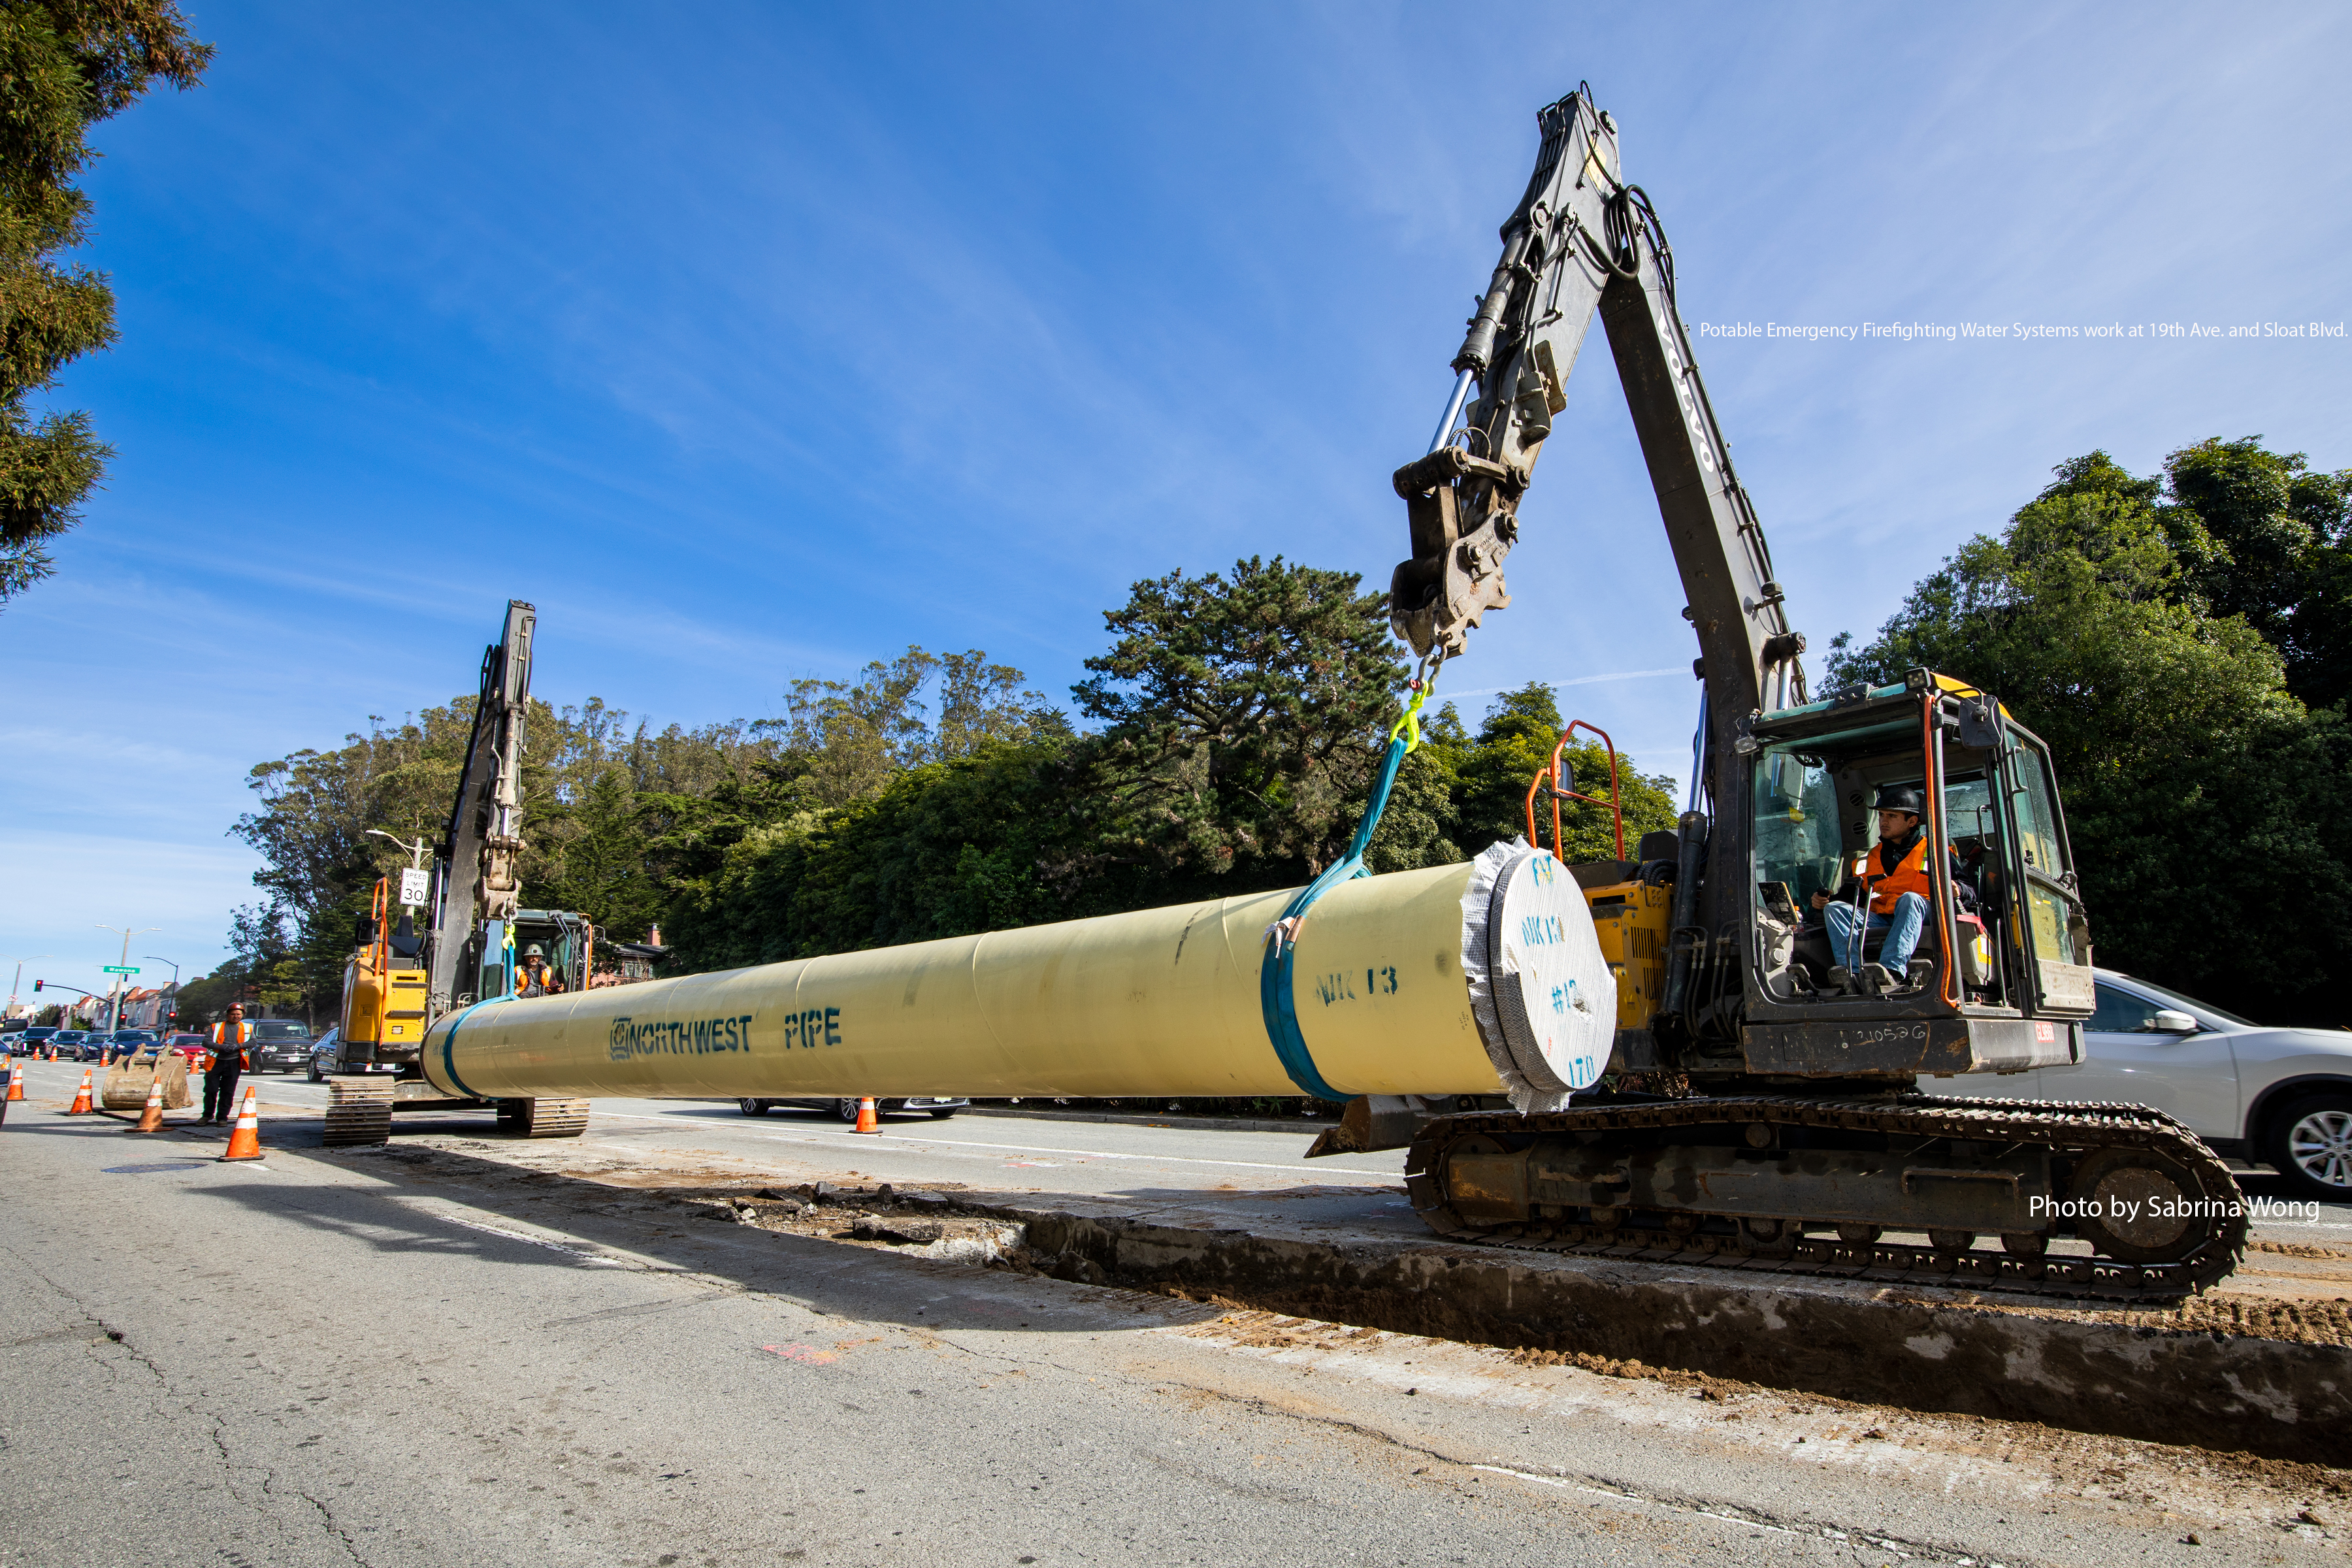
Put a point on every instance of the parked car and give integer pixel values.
(36, 1039)
(2279, 1097)
(124, 1041)
(941, 1107)
(190, 1047)
(278, 1045)
(75, 1045)
(322, 1058)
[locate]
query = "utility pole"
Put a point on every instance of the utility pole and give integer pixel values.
(13, 984)
(114, 996)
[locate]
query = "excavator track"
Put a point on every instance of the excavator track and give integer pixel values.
(2115, 1148)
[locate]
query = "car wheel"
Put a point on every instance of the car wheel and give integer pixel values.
(2310, 1144)
(754, 1107)
(944, 1112)
(846, 1108)
(316, 1076)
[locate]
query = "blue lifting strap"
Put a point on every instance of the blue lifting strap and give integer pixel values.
(1274, 974)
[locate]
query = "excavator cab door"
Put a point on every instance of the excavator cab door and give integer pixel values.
(2044, 900)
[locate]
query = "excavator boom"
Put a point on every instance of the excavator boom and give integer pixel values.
(477, 863)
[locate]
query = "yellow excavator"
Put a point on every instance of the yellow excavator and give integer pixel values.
(399, 978)
(1795, 1130)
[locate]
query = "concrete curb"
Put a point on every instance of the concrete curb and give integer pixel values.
(1847, 1340)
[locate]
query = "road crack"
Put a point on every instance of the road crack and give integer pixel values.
(1714, 1509)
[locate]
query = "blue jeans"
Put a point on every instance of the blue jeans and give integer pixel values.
(1902, 928)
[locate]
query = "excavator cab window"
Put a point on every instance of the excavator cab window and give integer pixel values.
(1814, 828)
(1798, 854)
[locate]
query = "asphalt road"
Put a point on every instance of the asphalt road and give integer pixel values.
(341, 1358)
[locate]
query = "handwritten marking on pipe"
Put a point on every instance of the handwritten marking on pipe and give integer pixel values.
(807, 1353)
(1341, 986)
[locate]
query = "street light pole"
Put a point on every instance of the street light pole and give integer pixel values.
(114, 997)
(151, 958)
(13, 984)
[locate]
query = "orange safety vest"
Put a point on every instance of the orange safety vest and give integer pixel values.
(221, 1037)
(1909, 875)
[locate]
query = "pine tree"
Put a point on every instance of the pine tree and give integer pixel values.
(65, 65)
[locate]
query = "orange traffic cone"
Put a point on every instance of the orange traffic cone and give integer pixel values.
(866, 1120)
(245, 1138)
(151, 1118)
(82, 1105)
(53, 1053)
(15, 1082)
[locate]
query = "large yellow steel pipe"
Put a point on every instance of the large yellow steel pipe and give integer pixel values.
(1156, 1001)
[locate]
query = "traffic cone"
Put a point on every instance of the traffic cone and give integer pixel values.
(15, 1082)
(82, 1105)
(151, 1118)
(866, 1120)
(245, 1140)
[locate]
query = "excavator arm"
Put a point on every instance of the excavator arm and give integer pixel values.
(1582, 240)
(475, 868)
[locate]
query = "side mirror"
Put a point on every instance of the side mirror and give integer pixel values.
(2171, 1022)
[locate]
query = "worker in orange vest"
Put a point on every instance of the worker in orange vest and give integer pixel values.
(1896, 874)
(229, 1036)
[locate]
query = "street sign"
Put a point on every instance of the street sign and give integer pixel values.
(415, 887)
(119, 969)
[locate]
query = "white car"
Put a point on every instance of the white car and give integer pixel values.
(2279, 1097)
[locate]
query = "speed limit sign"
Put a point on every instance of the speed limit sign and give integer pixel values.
(415, 887)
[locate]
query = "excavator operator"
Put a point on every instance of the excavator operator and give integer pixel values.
(534, 978)
(1896, 874)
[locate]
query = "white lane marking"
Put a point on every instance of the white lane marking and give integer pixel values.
(579, 1252)
(1020, 1147)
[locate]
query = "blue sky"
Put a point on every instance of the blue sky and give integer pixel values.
(759, 341)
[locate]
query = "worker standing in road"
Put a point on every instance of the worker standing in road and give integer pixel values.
(229, 1036)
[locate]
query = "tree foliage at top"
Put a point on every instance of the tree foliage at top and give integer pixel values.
(2153, 631)
(848, 739)
(65, 65)
(1242, 716)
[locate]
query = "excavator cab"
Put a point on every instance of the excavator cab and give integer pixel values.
(2000, 979)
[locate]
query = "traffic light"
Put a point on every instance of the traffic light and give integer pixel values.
(37, 986)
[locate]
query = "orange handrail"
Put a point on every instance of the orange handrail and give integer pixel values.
(1615, 802)
(1939, 851)
(377, 908)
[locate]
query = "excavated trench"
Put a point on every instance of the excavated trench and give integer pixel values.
(2274, 1381)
